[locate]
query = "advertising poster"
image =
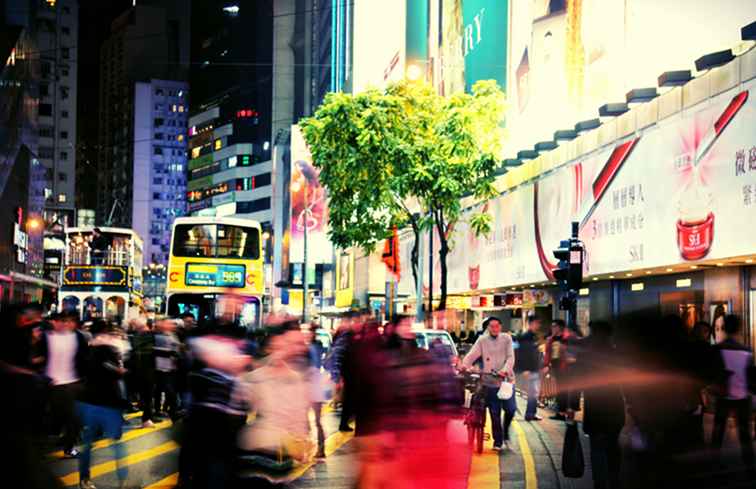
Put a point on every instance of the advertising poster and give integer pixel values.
(679, 192)
(308, 206)
(345, 279)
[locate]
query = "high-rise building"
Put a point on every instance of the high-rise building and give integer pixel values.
(159, 171)
(230, 170)
(57, 29)
(149, 43)
(22, 176)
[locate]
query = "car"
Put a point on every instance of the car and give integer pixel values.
(425, 337)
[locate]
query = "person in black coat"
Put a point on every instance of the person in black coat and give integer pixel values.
(604, 405)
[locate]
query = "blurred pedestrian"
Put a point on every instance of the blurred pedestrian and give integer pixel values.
(557, 362)
(604, 413)
(166, 349)
(102, 401)
(65, 354)
(707, 364)
(143, 362)
(496, 351)
(529, 363)
(26, 395)
(318, 381)
(737, 359)
(216, 413)
(341, 367)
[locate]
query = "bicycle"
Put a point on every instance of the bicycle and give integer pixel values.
(475, 406)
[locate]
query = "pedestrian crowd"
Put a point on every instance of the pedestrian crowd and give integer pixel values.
(247, 407)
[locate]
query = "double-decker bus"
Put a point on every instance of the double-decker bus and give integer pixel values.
(102, 273)
(213, 258)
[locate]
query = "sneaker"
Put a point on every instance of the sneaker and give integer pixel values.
(71, 453)
(148, 424)
(558, 417)
(506, 445)
(87, 484)
(535, 417)
(497, 447)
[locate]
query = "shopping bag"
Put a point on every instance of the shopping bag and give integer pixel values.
(573, 464)
(506, 390)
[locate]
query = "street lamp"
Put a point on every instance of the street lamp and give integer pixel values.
(33, 223)
(414, 72)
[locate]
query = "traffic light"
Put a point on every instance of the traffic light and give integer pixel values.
(569, 270)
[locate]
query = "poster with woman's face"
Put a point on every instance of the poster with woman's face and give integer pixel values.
(717, 312)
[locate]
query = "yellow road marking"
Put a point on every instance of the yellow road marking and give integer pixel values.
(127, 436)
(110, 466)
(531, 480)
(484, 468)
(332, 444)
(169, 481)
(130, 416)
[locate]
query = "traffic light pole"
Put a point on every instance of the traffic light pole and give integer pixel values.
(569, 273)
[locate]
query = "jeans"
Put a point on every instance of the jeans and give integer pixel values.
(495, 406)
(165, 383)
(108, 420)
(742, 410)
(62, 403)
(605, 460)
(532, 387)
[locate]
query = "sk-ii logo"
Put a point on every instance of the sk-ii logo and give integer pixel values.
(473, 33)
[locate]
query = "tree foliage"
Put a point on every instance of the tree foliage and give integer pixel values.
(406, 156)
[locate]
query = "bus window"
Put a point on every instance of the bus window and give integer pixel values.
(195, 240)
(216, 241)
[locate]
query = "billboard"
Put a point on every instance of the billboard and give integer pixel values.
(696, 204)
(568, 58)
(379, 43)
(308, 206)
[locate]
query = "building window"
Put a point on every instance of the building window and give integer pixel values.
(63, 134)
(156, 196)
(62, 177)
(66, 10)
(46, 132)
(196, 152)
(218, 144)
(64, 114)
(63, 155)
(159, 135)
(180, 138)
(155, 241)
(45, 110)
(64, 93)
(253, 205)
(159, 92)
(181, 108)
(173, 108)
(157, 150)
(46, 152)
(62, 198)
(232, 162)
(64, 70)
(44, 89)
(158, 122)
(65, 53)
(157, 181)
(65, 30)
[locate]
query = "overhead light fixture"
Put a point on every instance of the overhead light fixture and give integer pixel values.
(545, 146)
(611, 276)
(587, 125)
(584, 292)
(748, 33)
(628, 274)
(720, 264)
(693, 267)
(512, 162)
(232, 10)
(637, 287)
(749, 260)
(595, 279)
(684, 282)
(648, 272)
(527, 154)
(712, 60)
(613, 110)
(674, 78)
(565, 135)
(639, 95)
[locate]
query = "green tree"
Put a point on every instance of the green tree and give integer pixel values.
(406, 156)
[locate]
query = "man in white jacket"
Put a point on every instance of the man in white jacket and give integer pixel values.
(496, 352)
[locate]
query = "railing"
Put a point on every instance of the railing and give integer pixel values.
(107, 257)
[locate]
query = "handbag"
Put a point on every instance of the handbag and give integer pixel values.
(573, 464)
(506, 390)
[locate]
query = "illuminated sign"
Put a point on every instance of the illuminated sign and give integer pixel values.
(246, 113)
(212, 275)
(95, 275)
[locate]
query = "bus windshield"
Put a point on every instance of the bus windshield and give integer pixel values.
(206, 307)
(216, 241)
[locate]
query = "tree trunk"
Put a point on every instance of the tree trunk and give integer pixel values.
(414, 256)
(443, 251)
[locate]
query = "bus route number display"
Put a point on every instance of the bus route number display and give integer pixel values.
(211, 275)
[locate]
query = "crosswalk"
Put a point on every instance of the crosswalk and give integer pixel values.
(152, 458)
